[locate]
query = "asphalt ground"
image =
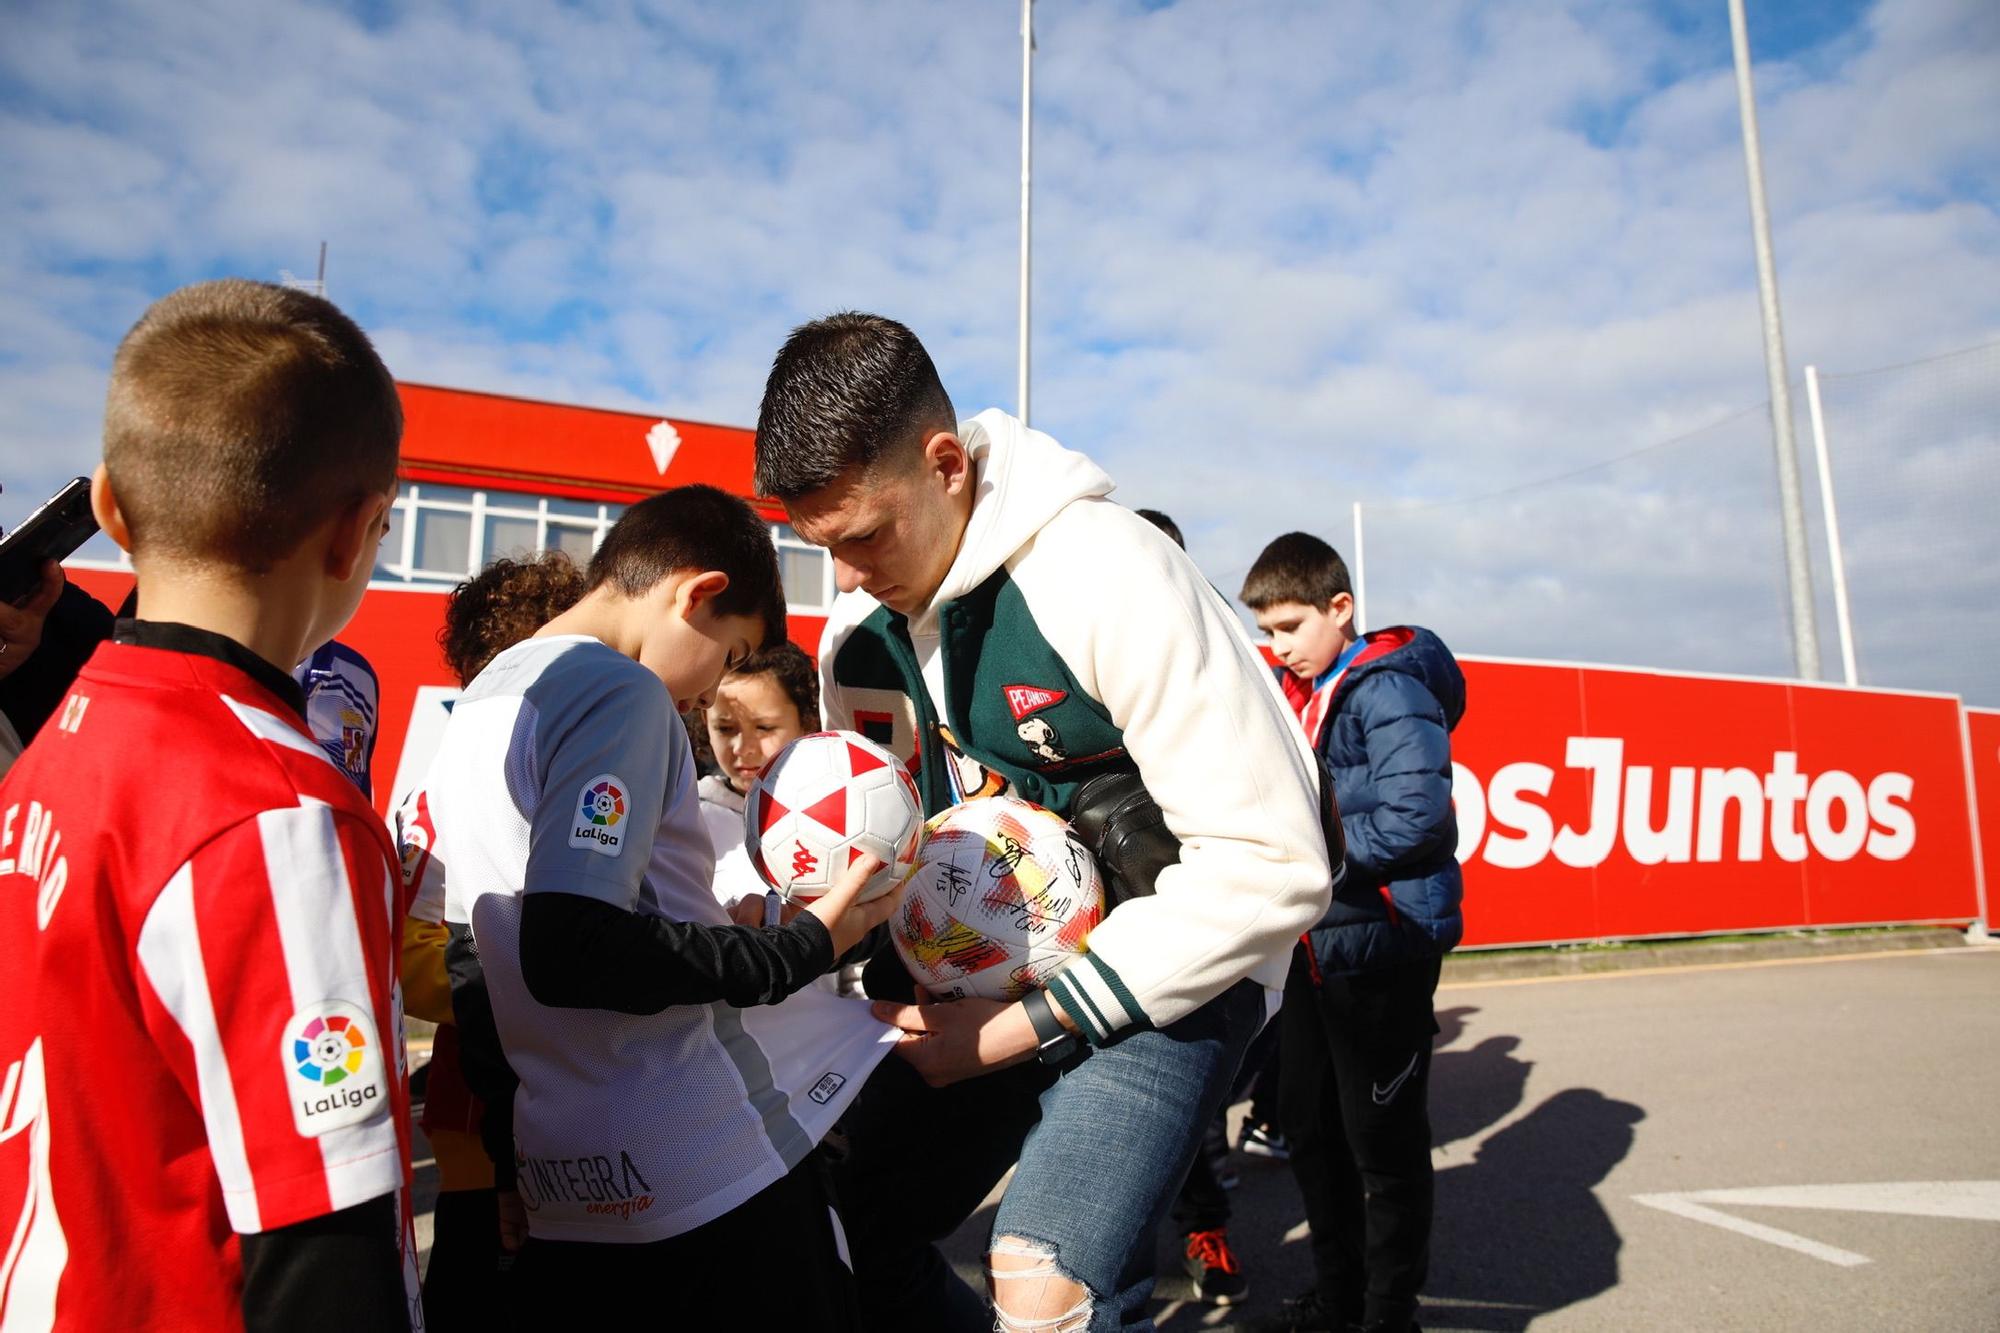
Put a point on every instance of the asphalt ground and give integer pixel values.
(1557, 1099)
(1559, 1096)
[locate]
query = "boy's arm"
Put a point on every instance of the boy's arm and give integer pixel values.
(580, 953)
(607, 778)
(285, 1273)
(264, 965)
(1409, 767)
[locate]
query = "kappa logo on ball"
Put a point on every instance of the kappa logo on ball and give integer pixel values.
(600, 809)
(824, 802)
(331, 1051)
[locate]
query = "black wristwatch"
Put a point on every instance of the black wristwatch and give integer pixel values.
(1057, 1043)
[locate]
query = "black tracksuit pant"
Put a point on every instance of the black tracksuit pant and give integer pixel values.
(1354, 1104)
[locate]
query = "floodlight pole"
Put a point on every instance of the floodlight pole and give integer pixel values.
(1027, 175)
(1360, 576)
(1836, 558)
(1805, 635)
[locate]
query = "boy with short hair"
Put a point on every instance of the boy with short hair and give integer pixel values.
(1357, 1022)
(206, 1113)
(667, 1113)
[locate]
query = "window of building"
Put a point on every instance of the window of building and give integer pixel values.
(441, 534)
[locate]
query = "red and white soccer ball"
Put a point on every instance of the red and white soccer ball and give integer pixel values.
(822, 803)
(1002, 897)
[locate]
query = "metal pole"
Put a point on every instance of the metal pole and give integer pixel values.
(1360, 575)
(1805, 635)
(1984, 902)
(1833, 551)
(1027, 175)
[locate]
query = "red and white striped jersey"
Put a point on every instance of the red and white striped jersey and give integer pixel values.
(200, 1028)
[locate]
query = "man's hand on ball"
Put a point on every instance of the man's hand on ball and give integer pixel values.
(962, 1039)
(846, 920)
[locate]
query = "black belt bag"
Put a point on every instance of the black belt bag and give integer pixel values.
(1118, 820)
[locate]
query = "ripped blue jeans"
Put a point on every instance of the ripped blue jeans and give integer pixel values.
(1102, 1151)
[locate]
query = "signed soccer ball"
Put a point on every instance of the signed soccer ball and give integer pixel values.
(822, 803)
(1003, 895)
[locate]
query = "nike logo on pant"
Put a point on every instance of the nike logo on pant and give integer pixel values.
(1384, 1095)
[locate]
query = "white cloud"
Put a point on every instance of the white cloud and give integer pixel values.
(1288, 255)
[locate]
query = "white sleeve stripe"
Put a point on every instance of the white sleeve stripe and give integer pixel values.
(320, 937)
(170, 954)
(268, 728)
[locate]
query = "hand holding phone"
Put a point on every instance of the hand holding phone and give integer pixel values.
(48, 534)
(21, 626)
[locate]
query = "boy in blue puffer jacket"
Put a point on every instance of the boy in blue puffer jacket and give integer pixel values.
(1357, 1023)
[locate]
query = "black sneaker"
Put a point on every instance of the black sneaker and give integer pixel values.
(1263, 1141)
(1307, 1313)
(1218, 1279)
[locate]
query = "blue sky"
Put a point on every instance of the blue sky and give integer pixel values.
(1288, 255)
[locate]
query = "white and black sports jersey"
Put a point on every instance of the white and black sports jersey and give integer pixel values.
(563, 770)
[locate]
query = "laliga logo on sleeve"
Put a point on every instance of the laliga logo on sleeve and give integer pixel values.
(600, 810)
(334, 1066)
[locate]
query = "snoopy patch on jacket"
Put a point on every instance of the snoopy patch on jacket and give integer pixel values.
(1037, 733)
(1040, 735)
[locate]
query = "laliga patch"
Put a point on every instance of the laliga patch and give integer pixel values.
(334, 1068)
(599, 820)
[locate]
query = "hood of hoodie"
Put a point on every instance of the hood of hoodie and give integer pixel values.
(1413, 651)
(716, 790)
(1023, 479)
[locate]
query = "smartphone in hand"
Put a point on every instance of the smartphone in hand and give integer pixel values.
(50, 533)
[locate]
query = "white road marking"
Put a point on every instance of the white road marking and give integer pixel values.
(1681, 1205)
(1969, 1200)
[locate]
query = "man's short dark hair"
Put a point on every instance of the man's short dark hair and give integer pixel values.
(1164, 524)
(695, 528)
(240, 417)
(845, 391)
(1297, 567)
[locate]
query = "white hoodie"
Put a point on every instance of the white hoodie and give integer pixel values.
(1145, 635)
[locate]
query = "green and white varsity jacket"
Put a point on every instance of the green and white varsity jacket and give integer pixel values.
(1070, 637)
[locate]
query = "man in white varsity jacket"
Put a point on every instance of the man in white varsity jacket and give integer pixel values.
(997, 610)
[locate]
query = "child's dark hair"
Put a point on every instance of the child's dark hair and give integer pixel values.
(1164, 524)
(795, 673)
(1297, 567)
(503, 604)
(240, 417)
(695, 528)
(850, 390)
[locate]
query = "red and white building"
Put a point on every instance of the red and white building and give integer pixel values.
(1594, 802)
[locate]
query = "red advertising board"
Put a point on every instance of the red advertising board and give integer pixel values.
(1593, 802)
(1982, 762)
(1601, 802)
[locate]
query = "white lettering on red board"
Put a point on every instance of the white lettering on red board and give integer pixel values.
(1711, 814)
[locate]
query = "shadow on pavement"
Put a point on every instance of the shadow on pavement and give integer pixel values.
(1476, 1088)
(1519, 1232)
